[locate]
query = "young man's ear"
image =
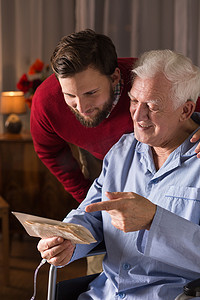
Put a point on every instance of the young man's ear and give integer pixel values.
(187, 110)
(115, 77)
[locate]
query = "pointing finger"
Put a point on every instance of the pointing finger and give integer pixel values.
(105, 205)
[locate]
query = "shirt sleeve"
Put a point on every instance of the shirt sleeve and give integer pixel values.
(172, 240)
(56, 155)
(92, 221)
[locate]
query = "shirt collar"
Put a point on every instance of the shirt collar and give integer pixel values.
(117, 94)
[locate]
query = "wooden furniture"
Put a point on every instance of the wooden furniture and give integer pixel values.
(26, 184)
(4, 216)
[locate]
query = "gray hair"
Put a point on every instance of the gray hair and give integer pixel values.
(178, 69)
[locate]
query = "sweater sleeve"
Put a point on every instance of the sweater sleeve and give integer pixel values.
(56, 154)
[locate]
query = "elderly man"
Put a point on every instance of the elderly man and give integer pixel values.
(146, 202)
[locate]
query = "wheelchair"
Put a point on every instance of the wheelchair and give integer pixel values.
(190, 291)
(60, 290)
(71, 289)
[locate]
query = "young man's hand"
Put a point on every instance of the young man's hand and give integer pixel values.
(194, 139)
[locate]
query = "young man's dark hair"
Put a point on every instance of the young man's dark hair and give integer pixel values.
(76, 52)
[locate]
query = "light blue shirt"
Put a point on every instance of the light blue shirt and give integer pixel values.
(153, 264)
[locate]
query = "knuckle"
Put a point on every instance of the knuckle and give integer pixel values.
(44, 256)
(53, 252)
(38, 247)
(54, 261)
(41, 245)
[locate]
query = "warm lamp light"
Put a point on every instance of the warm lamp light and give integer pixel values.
(13, 103)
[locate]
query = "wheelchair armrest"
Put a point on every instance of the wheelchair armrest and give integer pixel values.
(192, 288)
(52, 283)
(99, 249)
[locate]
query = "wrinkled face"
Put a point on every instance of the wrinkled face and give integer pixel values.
(155, 120)
(89, 94)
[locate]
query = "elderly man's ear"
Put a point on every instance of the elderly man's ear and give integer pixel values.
(187, 110)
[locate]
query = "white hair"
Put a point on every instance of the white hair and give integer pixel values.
(178, 69)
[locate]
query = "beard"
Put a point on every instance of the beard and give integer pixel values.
(100, 115)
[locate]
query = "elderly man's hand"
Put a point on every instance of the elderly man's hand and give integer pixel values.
(194, 139)
(56, 250)
(128, 211)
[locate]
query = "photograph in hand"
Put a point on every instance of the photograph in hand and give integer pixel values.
(42, 227)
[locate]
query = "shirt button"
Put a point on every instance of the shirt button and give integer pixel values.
(121, 295)
(126, 266)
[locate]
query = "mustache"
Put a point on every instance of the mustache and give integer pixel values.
(100, 115)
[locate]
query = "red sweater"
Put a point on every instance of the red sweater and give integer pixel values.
(53, 125)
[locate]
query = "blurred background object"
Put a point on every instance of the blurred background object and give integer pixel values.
(13, 104)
